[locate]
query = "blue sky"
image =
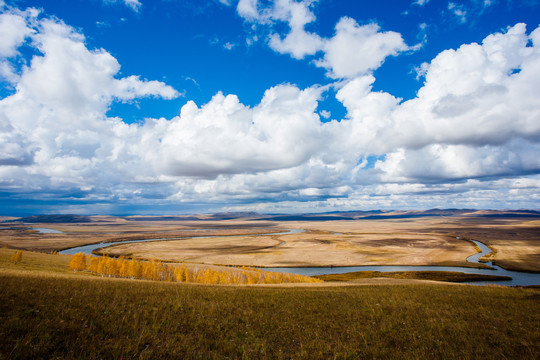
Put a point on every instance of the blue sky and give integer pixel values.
(134, 106)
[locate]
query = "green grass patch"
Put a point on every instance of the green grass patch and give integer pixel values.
(449, 276)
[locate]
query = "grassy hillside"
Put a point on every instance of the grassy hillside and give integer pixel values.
(64, 315)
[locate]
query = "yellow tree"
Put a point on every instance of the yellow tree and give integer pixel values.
(181, 273)
(124, 267)
(93, 264)
(112, 267)
(101, 265)
(135, 269)
(17, 256)
(78, 262)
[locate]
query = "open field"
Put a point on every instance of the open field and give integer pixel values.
(47, 311)
(429, 240)
(307, 249)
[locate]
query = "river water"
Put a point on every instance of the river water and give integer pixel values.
(48, 231)
(518, 278)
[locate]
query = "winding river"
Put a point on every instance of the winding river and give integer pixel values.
(518, 278)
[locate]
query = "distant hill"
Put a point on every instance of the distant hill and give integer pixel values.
(55, 219)
(508, 214)
(254, 216)
(402, 214)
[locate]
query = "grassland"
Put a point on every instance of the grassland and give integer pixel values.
(311, 248)
(410, 241)
(47, 311)
(449, 276)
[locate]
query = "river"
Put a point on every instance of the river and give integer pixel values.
(518, 278)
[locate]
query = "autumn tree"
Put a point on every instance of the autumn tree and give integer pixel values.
(93, 264)
(17, 256)
(78, 262)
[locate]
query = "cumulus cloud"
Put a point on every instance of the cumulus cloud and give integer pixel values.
(474, 117)
(297, 42)
(356, 50)
(13, 31)
(55, 122)
(353, 50)
(471, 132)
(226, 137)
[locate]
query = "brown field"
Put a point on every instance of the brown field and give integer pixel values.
(306, 249)
(418, 241)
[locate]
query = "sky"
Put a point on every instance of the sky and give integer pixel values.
(128, 107)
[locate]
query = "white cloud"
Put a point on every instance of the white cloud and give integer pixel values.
(134, 5)
(458, 11)
(440, 163)
(473, 125)
(55, 122)
(297, 14)
(420, 2)
(13, 31)
(325, 114)
(248, 10)
(298, 42)
(352, 51)
(355, 50)
(474, 117)
(226, 137)
(229, 46)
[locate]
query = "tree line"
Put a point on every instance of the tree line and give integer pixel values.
(158, 271)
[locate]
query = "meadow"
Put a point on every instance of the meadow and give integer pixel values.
(48, 311)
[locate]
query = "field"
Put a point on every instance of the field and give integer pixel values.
(397, 240)
(47, 311)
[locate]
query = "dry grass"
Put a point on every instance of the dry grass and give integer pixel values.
(419, 241)
(49, 312)
(420, 275)
(306, 249)
(61, 316)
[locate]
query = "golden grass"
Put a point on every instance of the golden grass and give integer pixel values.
(61, 316)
